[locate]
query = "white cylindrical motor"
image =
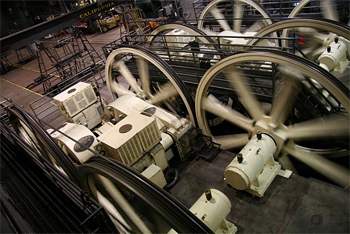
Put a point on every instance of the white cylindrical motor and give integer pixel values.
(212, 208)
(335, 53)
(76, 140)
(244, 170)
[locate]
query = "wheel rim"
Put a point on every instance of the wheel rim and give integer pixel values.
(172, 86)
(130, 193)
(33, 134)
(238, 13)
(291, 135)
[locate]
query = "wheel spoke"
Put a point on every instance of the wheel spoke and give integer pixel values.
(313, 35)
(238, 16)
(142, 67)
(214, 106)
(286, 163)
(331, 126)
(315, 42)
(165, 92)
(331, 170)
(245, 93)
(119, 89)
(209, 32)
(232, 141)
(328, 10)
(312, 53)
(130, 79)
(255, 27)
(283, 100)
(220, 18)
(29, 136)
(112, 211)
(124, 204)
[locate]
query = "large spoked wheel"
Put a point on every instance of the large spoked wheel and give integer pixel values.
(134, 204)
(311, 39)
(308, 38)
(238, 16)
(37, 138)
(137, 71)
(303, 107)
(328, 9)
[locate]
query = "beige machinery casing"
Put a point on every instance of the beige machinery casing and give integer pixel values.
(79, 105)
(133, 132)
(171, 127)
(131, 138)
(233, 38)
(257, 169)
(79, 152)
(155, 174)
(178, 38)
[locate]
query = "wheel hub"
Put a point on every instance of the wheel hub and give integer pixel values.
(277, 133)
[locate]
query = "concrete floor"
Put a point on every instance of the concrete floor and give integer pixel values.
(13, 84)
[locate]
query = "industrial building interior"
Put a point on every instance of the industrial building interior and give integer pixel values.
(175, 116)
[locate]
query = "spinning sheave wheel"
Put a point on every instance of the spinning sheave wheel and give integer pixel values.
(235, 17)
(37, 138)
(144, 74)
(134, 204)
(302, 107)
(323, 41)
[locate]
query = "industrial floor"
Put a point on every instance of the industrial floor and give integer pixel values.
(13, 84)
(293, 205)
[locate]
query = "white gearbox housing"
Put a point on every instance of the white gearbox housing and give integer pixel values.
(155, 174)
(130, 138)
(257, 169)
(171, 127)
(335, 57)
(238, 41)
(78, 148)
(79, 105)
(134, 132)
(234, 38)
(178, 38)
